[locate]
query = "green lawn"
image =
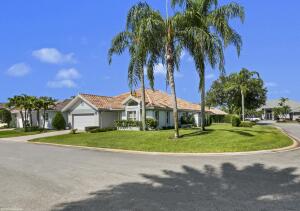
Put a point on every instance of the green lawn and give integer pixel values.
(217, 138)
(15, 133)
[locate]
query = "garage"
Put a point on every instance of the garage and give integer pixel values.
(81, 121)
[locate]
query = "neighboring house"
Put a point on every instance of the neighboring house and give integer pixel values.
(87, 110)
(268, 113)
(49, 115)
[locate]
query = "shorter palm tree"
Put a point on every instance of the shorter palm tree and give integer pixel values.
(47, 102)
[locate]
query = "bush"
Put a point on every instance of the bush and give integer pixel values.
(247, 124)
(236, 121)
(218, 118)
(228, 118)
(73, 131)
(167, 127)
(208, 121)
(32, 129)
(5, 116)
(88, 129)
(151, 123)
(127, 123)
(99, 130)
(58, 121)
(187, 119)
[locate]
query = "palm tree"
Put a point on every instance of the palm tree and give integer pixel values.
(205, 34)
(16, 103)
(47, 102)
(138, 39)
(38, 105)
(241, 83)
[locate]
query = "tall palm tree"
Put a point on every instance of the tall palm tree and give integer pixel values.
(205, 34)
(143, 51)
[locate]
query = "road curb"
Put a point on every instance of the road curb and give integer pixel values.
(294, 146)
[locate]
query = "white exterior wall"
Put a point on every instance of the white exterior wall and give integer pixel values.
(83, 108)
(107, 119)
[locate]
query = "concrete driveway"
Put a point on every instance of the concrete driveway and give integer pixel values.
(41, 177)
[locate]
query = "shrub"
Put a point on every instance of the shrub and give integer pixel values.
(58, 121)
(90, 128)
(99, 130)
(151, 123)
(167, 127)
(247, 124)
(127, 123)
(208, 121)
(218, 118)
(187, 119)
(73, 131)
(5, 116)
(32, 129)
(228, 118)
(236, 121)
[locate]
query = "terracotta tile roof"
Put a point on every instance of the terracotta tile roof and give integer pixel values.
(59, 105)
(157, 99)
(216, 111)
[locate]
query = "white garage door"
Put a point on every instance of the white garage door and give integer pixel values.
(80, 121)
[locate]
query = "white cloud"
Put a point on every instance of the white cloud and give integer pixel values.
(18, 70)
(53, 56)
(68, 74)
(183, 54)
(160, 69)
(62, 84)
(271, 84)
(210, 76)
(65, 78)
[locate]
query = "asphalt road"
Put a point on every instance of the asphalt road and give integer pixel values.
(41, 177)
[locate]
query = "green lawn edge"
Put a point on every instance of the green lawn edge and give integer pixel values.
(218, 138)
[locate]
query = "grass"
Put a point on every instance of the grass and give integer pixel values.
(16, 133)
(217, 138)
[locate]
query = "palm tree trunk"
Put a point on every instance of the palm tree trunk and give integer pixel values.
(202, 87)
(170, 69)
(22, 117)
(44, 119)
(243, 105)
(30, 117)
(143, 101)
(38, 117)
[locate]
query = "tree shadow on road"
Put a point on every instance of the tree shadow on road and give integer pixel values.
(254, 188)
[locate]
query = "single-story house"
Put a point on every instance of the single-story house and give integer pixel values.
(49, 115)
(268, 113)
(87, 110)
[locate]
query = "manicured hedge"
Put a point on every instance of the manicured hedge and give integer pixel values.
(247, 124)
(99, 130)
(127, 123)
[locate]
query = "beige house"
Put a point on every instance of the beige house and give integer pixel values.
(87, 110)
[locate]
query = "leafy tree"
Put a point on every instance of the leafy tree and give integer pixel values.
(205, 32)
(283, 109)
(58, 121)
(138, 39)
(227, 92)
(5, 116)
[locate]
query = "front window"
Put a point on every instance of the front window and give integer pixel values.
(131, 115)
(157, 115)
(168, 117)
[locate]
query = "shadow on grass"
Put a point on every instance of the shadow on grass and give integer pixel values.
(197, 133)
(254, 187)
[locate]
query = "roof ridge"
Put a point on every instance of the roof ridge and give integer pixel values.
(95, 95)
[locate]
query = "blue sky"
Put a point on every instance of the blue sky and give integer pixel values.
(59, 48)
